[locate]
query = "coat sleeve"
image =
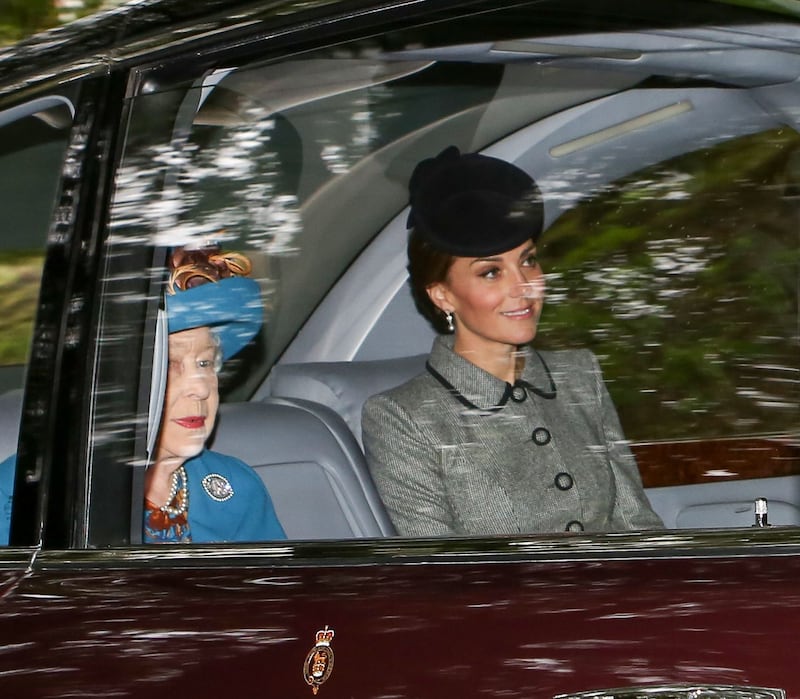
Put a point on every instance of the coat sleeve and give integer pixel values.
(404, 462)
(248, 515)
(7, 469)
(632, 509)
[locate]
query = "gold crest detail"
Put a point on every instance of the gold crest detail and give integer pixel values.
(319, 661)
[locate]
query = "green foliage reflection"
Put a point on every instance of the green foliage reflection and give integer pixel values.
(684, 280)
(20, 18)
(20, 277)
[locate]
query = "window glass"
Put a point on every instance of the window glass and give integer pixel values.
(274, 161)
(670, 191)
(33, 140)
(301, 163)
(683, 277)
(298, 164)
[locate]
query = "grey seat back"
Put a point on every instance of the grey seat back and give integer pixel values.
(311, 464)
(10, 414)
(343, 386)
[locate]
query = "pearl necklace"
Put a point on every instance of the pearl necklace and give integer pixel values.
(178, 477)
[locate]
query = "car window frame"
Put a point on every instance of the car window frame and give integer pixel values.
(139, 77)
(25, 532)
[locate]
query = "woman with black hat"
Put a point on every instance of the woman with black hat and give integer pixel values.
(494, 437)
(192, 493)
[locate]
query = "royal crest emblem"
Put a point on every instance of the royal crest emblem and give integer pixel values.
(218, 487)
(319, 661)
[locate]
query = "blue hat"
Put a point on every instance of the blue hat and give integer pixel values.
(231, 307)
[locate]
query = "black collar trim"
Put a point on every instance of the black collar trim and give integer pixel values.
(507, 392)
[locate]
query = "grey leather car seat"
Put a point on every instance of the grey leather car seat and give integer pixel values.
(311, 464)
(343, 386)
(10, 413)
(312, 460)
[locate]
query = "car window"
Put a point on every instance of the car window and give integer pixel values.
(670, 200)
(684, 279)
(260, 162)
(33, 140)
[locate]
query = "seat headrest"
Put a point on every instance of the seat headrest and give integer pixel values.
(343, 386)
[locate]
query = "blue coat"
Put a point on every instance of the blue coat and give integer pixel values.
(7, 469)
(248, 515)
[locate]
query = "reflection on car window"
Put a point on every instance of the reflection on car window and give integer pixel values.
(279, 154)
(684, 278)
(33, 139)
(670, 247)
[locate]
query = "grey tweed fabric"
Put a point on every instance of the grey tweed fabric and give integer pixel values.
(456, 451)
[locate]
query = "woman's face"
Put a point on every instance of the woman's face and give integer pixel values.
(192, 397)
(496, 300)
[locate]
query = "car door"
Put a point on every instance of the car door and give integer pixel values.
(35, 130)
(242, 139)
(409, 619)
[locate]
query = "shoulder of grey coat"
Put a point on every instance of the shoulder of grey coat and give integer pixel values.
(567, 367)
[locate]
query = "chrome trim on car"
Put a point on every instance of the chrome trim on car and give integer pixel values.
(680, 691)
(688, 544)
(124, 34)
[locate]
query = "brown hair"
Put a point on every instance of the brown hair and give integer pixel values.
(427, 266)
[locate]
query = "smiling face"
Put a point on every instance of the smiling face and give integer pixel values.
(496, 301)
(192, 397)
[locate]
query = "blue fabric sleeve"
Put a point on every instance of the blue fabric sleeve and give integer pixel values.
(7, 471)
(248, 515)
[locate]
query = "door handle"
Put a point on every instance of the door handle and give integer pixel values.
(680, 691)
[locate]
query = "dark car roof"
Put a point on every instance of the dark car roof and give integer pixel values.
(93, 43)
(90, 43)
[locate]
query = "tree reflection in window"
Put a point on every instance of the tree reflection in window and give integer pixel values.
(684, 279)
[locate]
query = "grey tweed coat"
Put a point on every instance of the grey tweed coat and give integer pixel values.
(457, 451)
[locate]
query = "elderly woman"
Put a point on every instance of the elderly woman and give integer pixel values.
(191, 493)
(212, 312)
(494, 437)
